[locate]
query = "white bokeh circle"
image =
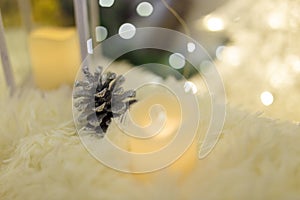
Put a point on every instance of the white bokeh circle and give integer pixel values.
(127, 31)
(106, 3)
(144, 9)
(101, 33)
(177, 60)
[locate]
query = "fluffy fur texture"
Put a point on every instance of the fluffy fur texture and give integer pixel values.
(43, 158)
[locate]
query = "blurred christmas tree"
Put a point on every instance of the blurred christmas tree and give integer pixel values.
(261, 64)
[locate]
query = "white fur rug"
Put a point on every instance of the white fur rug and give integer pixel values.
(43, 158)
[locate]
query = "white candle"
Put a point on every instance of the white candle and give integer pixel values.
(55, 56)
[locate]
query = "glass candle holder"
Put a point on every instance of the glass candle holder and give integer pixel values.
(15, 37)
(53, 43)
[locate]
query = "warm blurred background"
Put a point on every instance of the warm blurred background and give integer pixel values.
(254, 44)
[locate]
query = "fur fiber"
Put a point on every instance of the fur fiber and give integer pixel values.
(42, 157)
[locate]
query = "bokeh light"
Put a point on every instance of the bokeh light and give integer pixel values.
(144, 9)
(177, 61)
(101, 33)
(190, 87)
(214, 23)
(106, 3)
(267, 98)
(127, 31)
(191, 47)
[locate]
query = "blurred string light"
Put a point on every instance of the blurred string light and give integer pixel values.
(101, 33)
(177, 60)
(214, 23)
(276, 20)
(127, 31)
(280, 75)
(281, 78)
(191, 47)
(144, 9)
(296, 66)
(294, 62)
(264, 45)
(190, 87)
(267, 98)
(230, 55)
(106, 3)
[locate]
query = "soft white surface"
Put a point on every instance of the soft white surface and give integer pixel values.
(42, 158)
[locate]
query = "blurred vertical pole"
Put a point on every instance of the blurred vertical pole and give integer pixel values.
(82, 24)
(94, 16)
(6, 65)
(25, 10)
(27, 24)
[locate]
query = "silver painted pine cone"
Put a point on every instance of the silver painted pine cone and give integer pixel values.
(99, 97)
